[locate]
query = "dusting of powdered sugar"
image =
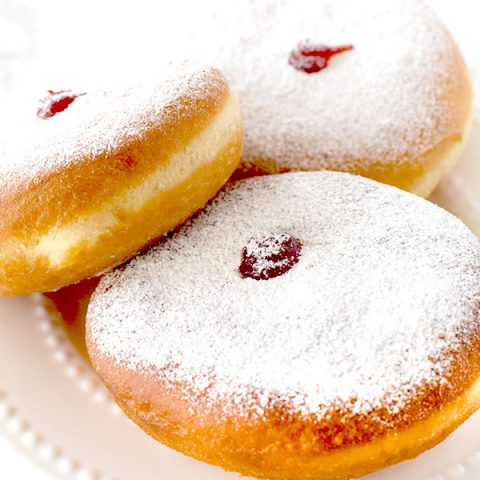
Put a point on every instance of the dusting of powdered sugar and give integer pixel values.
(388, 98)
(99, 123)
(385, 284)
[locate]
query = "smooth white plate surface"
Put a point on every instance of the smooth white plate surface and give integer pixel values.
(54, 408)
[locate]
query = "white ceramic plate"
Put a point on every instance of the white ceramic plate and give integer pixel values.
(55, 409)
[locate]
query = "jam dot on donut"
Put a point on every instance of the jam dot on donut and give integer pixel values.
(269, 257)
(311, 58)
(56, 102)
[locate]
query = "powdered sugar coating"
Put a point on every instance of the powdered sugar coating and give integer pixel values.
(390, 98)
(99, 122)
(385, 285)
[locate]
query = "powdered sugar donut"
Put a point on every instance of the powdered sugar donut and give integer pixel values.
(307, 325)
(394, 104)
(85, 190)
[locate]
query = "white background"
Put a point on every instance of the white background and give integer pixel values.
(50, 34)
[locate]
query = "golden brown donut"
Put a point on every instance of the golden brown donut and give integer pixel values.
(396, 107)
(87, 189)
(305, 326)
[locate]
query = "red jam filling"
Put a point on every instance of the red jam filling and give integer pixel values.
(56, 102)
(310, 58)
(269, 257)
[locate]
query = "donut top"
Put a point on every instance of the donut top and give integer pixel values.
(96, 123)
(269, 257)
(388, 97)
(383, 296)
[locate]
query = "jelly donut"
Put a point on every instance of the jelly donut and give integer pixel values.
(304, 326)
(100, 175)
(373, 88)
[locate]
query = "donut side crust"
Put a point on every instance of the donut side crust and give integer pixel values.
(281, 446)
